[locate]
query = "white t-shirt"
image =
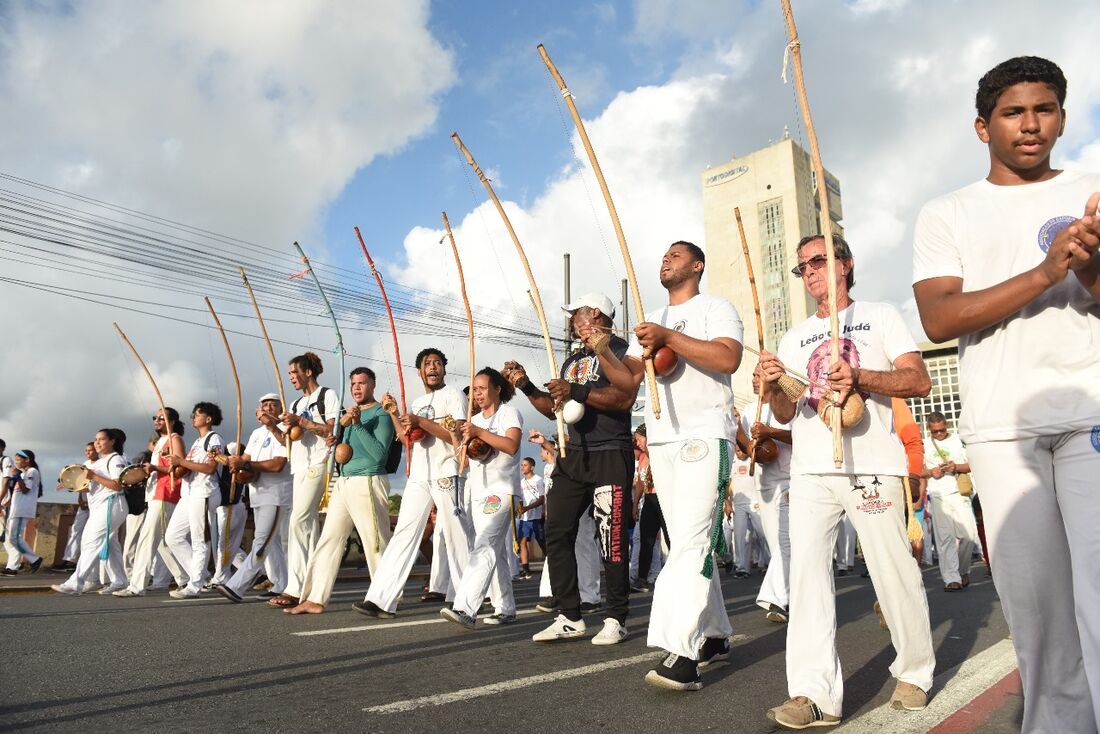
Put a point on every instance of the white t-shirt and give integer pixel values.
(695, 403)
(777, 473)
(532, 489)
(25, 504)
(873, 336)
(433, 459)
(950, 449)
(197, 483)
(109, 466)
(311, 450)
(6, 466)
(499, 472)
(744, 489)
(1036, 373)
(268, 489)
(547, 470)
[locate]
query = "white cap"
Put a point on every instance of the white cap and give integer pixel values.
(592, 300)
(269, 396)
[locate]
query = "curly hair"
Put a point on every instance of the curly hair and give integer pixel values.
(428, 352)
(210, 409)
(1015, 71)
(309, 361)
(507, 390)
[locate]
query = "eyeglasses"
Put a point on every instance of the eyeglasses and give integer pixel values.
(815, 262)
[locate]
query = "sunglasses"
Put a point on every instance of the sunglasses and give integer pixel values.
(816, 262)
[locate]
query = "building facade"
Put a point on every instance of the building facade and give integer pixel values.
(942, 361)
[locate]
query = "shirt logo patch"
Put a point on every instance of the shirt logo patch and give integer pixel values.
(1050, 230)
(491, 505)
(582, 370)
(872, 504)
(694, 450)
(680, 326)
(1095, 436)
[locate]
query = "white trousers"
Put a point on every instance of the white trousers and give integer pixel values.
(775, 516)
(487, 570)
(588, 563)
(876, 507)
(101, 531)
(149, 548)
(845, 549)
(72, 547)
(957, 533)
(236, 521)
(1041, 510)
(275, 566)
(186, 536)
(748, 531)
(16, 544)
(267, 551)
(439, 579)
(309, 486)
(687, 606)
(129, 544)
(400, 554)
(362, 503)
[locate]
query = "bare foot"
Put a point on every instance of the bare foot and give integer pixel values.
(306, 607)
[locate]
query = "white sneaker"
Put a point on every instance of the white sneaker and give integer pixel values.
(127, 592)
(62, 589)
(562, 628)
(185, 593)
(108, 590)
(612, 633)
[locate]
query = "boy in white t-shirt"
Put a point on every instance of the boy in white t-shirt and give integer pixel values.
(1008, 266)
(533, 490)
(879, 360)
(952, 516)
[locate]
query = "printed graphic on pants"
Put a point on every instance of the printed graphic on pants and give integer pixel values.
(872, 503)
(491, 504)
(694, 450)
(607, 510)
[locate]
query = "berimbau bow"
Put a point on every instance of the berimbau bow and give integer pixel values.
(240, 419)
(536, 299)
(156, 391)
(470, 324)
(759, 329)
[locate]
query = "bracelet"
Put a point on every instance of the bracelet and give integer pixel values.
(526, 387)
(579, 392)
(247, 466)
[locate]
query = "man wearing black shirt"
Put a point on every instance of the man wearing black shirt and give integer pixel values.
(596, 470)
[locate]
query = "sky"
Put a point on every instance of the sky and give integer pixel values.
(257, 124)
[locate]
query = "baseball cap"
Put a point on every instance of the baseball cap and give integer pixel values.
(592, 300)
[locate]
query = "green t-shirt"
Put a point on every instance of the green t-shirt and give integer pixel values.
(370, 441)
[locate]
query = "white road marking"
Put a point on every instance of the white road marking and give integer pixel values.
(965, 682)
(387, 625)
(466, 694)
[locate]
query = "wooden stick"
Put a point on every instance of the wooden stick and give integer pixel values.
(240, 419)
(759, 329)
(535, 297)
(156, 391)
(396, 347)
(639, 312)
(470, 324)
(271, 354)
(826, 220)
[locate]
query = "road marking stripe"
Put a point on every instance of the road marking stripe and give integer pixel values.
(977, 712)
(964, 683)
(387, 625)
(466, 694)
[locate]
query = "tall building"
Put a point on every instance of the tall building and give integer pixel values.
(776, 190)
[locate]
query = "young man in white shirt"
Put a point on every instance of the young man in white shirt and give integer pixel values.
(689, 454)
(879, 360)
(533, 497)
(1008, 266)
(952, 517)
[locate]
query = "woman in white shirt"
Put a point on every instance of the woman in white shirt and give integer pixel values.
(25, 487)
(107, 510)
(492, 482)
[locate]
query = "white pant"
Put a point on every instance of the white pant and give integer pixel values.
(588, 563)
(148, 547)
(105, 520)
(186, 536)
(439, 579)
(267, 551)
(957, 533)
(845, 549)
(876, 507)
(236, 521)
(16, 544)
(362, 503)
(309, 486)
(72, 547)
(748, 531)
(129, 544)
(275, 565)
(400, 554)
(775, 516)
(687, 606)
(1042, 513)
(487, 569)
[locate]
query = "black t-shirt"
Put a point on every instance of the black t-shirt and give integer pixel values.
(598, 430)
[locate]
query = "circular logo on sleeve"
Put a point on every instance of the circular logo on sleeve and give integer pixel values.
(1050, 230)
(1095, 436)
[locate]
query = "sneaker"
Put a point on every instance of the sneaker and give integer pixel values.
(741, 574)
(563, 628)
(185, 593)
(842, 572)
(127, 593)
(776, 614)
(62, 589)
(501, 619)
(108, 590)
(38, 564)
(462, 619)
(640, 587)
(676, 673)
(267, 595)
(801, 713)
(908, 697)
(714, 649)
(591, 607)
(228, 593)
(158, 587)
(9, 571)
(547, 604)
(524, 576)
(370, 609)
(613, 633)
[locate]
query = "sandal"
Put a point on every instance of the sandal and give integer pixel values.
(283, 601)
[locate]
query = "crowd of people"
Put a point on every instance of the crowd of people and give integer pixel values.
(700, 476)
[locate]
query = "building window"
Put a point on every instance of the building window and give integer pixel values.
(944, 396)
(776, 304)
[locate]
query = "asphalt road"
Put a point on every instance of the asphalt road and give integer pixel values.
(156, 664)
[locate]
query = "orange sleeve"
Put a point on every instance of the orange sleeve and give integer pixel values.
(909, 433)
